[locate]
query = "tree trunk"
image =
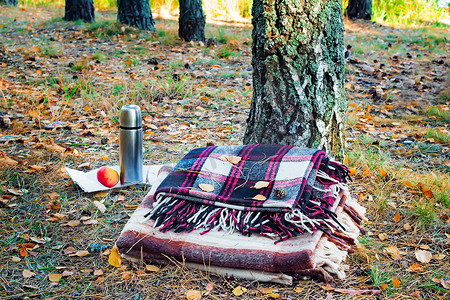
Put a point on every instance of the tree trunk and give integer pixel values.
(191, 21)
(80, 9)
(298, 74)
(136, 13)
(359, 9)
(9, 2)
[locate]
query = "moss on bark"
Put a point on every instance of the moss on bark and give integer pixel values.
(298, 78)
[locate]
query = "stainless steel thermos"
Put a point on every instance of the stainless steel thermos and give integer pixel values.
(130, 144)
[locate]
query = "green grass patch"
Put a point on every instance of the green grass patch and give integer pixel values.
(438, 135)
(439, 113)
(425, 212)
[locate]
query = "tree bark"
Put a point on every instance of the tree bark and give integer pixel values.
(191, 21)
(136, 13)
(298, 74)
(80, 9)
(9, 2)
(359, 9)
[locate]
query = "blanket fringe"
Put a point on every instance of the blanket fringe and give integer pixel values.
(170, 213)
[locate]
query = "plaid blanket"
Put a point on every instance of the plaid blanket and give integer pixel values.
(277, 191)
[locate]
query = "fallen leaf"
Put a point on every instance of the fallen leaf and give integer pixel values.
(298, 289)
(383, 173)
(352, 171)
(393, 251)
(98, 272)
(193, 294)
(439, 256)
(40, 240)
(69, 250)
(152, 268)
(209, 287)
(114, 258)
(259, 197)
(415, 268)
(427, 192)
(82, 253)
(239, 290)
(23, 251)
(28, 274)
(397, 217)
(382, 236)
(271, 292)
(424, 247)
(206, 187)
(53, 196)
(383, 286)
(395, 282)
(407, 226)
(54, 277)
(100, 206)
(101, 194)
(416, 294)
(126, 275)
(73, 223)
(423, 256)
(15, 259)
(261, 184)
(67, 273)
(231, 158)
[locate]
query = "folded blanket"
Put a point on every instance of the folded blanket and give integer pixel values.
(315, 253)
(273, 190)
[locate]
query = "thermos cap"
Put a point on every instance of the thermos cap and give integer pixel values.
(130, 116)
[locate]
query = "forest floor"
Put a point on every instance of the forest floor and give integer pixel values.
(62, 85)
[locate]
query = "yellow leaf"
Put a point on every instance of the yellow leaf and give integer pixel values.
(193, 295)
(393, 251)
(397, 217)
(54, 277)
(152, 268)
(352, 171)
(206, 187)
(408, 184)
(423, 256)
(298, 289)
(345, 159)
(239, 291)
(114, 258)
(28, 274)
(383, 173)
(383, 286)
(395, 282)
(382, 236)
(259, 197)
(261, 184)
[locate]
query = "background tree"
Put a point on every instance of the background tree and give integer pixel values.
(359, 9)
(9, 2)
(136, 13)
(298, 74)
(191, 21)
(79, 9)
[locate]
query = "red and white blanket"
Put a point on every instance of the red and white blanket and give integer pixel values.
(328, 219)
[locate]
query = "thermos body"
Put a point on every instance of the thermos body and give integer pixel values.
(130, 145)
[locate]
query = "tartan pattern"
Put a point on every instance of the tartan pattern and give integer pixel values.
(181, 203)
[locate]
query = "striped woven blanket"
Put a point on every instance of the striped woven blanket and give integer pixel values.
(276, 191)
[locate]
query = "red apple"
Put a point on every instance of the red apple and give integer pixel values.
(107, 176)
